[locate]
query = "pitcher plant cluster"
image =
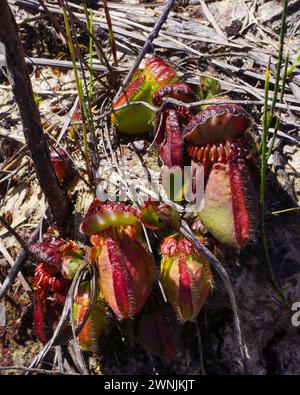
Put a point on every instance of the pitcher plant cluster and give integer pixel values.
(213, 138)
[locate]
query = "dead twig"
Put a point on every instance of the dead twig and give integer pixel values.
(111, 32)
(212, 20)
(200, 348)
(64, 64)
(60, 30)
(25, 251)
(33, 131)
(22, 279)
(172, 101)
(17, 237)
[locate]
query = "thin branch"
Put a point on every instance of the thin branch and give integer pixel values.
(212, 20)
(170, 101)
(19, 262)
(60, 30)
(22, 279)
(16, 235)
(111, 32)
(200, 348)
(32, 128)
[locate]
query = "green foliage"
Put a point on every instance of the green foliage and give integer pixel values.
(294, 65)
(267, 121)
(209, 87)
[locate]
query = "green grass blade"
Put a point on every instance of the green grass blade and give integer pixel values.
(279, 61)
(287, 210)
(263, 190)
(80, 94)
(280, 110)
(294, 65)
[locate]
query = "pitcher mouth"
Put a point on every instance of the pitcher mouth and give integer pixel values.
(217, 123)
(101, 217)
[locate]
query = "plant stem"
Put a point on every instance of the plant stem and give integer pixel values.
(279, 62)
(280, 110)
(294, 65)
(267, 120)
(91, 56)
(278, 67)
(287, 210)
(111, 33)
(262, 190)
(89, 88)
(80, 95)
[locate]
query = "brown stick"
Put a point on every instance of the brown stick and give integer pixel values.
(34, 135)
(60, 30)
(111, 32)
(20, 260)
